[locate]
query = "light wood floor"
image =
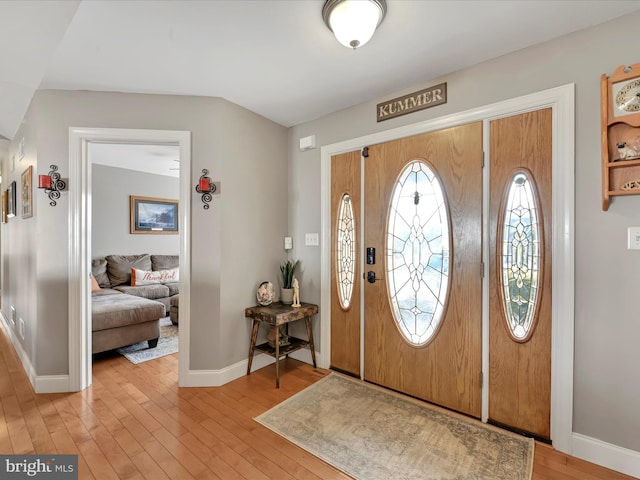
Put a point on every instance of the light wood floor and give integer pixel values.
(135, 423)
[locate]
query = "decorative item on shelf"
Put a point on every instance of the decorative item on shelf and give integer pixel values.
(632, 185)
(629, 149)
(265, 293)
(620, 133)
(286, 292)
(205, 187)
(52, 184)
(296, 294)
(353, 22)
(283, 338)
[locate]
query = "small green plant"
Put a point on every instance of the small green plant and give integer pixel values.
(287, 268)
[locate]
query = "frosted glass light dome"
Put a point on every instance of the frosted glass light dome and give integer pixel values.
(353, 22)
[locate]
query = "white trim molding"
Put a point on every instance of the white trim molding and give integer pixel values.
(606, 454)
(561, 100)
(217, 378)
(80, 246)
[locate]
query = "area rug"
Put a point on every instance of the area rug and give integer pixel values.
(372, 434)
(167, 344)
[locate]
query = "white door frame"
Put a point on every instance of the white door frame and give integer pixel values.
(80, 241)
(561, 101)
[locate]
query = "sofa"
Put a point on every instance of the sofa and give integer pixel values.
(130, 294)
(114, 271)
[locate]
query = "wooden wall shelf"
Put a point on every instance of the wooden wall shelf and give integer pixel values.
(620, 114)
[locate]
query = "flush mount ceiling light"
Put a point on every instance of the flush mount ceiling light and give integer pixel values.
(353, 22)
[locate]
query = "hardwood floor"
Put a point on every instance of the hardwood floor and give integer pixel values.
(135, 423)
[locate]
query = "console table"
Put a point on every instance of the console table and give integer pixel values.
(276, 315)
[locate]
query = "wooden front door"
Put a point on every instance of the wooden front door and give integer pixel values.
(345, 266)
(520, 259)
(423, 309)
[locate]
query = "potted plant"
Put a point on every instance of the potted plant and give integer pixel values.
(286, 292)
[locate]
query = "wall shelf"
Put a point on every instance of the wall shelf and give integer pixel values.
(620, 115)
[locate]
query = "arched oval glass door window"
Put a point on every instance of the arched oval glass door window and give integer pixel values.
(521, 255)
(418, 246)
(346, 251)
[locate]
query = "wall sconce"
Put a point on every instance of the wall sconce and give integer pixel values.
(206, 187)
(52, 184)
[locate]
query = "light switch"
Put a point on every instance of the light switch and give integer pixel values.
(633, 241)
(311, 239)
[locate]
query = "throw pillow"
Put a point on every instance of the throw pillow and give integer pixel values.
(145, 277)
(94, 284)
(164, 262)
(119, 267)
(99, 270)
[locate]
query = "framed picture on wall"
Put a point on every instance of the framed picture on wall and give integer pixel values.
(5, 205)
(153, 215)
(11, 202)
(26, 180)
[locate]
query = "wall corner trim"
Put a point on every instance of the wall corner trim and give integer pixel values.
(52, 384)
(217, 378)
(606, 454)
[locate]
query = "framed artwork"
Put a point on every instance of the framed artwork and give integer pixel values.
(153, 215)
(27, 192)
(11, 202)
(5, 205)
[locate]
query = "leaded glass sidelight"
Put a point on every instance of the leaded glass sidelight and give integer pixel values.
(346, 251)
(521, 255)
(418, 245)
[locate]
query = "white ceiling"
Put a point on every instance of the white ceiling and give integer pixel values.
(158, 159)
(274, 57)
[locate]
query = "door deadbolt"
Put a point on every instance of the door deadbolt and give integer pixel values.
(371, 277)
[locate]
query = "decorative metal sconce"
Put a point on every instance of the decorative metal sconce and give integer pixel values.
(52, 184)
(206, 187)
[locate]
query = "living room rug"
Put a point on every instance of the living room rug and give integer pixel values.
(167, 344)
(372, 434)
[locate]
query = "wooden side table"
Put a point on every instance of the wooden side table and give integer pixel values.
(276, 315)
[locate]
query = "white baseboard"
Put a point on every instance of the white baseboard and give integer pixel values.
(606, 454)
(17, 346)
(217, 378)
(41, 383)
(52, 384)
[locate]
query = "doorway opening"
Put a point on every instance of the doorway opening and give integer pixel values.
(80, 223)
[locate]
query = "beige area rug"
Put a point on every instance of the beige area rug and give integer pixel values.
(167, 344)
(372, 434)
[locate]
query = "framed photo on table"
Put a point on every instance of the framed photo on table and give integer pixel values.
(27, 192)
(153, 215)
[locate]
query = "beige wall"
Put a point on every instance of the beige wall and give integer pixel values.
(110, 219)
(607, 393)
(243, 151)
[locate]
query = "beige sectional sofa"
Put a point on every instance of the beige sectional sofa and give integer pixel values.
(125, 312)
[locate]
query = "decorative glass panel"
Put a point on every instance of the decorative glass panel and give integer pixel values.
(346, 251)
(418, 245)
(521, 255)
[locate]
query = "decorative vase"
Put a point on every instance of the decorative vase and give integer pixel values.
(286, 296)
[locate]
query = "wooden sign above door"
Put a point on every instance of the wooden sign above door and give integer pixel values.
(427, 98)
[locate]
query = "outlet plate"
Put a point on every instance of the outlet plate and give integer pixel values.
(311, 239)
(13, 316)
(288, 243)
